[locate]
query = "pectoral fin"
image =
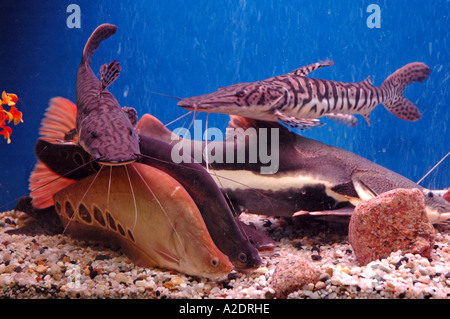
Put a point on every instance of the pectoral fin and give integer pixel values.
(369, 185)
(302, 124)
(108, 73)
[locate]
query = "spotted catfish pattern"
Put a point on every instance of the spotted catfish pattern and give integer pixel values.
(104, 129)
(293, 97)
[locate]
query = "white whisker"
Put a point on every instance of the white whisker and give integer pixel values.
(134, 198)
(178, 118)
(82, 198)
(164, 211)
(109, 187)
(206, 146)
(434, 167)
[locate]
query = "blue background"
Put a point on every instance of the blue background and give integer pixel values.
(185, 48)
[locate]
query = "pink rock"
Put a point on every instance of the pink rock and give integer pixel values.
(291, 274)
(395, 220)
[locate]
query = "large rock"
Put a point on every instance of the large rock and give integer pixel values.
(291, 274)
(395, 220)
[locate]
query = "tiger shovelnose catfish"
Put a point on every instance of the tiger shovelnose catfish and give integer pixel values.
(299, 101)
(104, 129)
(312, 177)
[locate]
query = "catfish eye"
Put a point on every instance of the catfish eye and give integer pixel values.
(240, 93)
(131, 131)
(94, 134)
(215, 262)
(430, 194)
(242, 257)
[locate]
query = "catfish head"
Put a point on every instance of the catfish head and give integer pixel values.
(110, 139)
(258, 100)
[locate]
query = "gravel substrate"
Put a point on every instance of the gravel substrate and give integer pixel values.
(45, 266)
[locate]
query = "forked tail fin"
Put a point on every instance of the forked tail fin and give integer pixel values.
(102, 32)
(396, 83)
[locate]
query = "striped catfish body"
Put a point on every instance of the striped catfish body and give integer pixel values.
(291, 98)
(103, 127)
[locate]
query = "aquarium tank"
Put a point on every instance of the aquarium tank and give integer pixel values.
(182, 48)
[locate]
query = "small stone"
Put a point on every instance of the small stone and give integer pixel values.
(324, 277)
(319, 285)
(170, 285)
(395, 220)
(177, 280)
(121, 278)
(291, 274)
(41, 269)
(262, 270)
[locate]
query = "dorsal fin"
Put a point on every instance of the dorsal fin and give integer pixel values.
(152, 127)
(305, 70)
(368, 81)
(109, 73)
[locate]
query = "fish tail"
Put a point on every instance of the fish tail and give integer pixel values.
(396, 83)
(102, 32)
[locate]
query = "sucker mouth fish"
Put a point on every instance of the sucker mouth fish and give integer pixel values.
(103, 128)
(63, 164)
(298, 101)
(312, 179)
(167, 232)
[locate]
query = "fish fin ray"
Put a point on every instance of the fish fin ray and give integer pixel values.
(132, 115)
(59, 119)
(346, 189)
(305, 70)
(44, 183)
(361, 182)
(345, 211)
(396, 83)
(368, 81)
(166, 255)
(109, 73)
(366, 117)
(302, 124)
(346, 119)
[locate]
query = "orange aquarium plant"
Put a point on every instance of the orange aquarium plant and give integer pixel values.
(9, 99)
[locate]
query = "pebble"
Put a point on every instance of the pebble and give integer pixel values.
(41, 269)
(66, 269)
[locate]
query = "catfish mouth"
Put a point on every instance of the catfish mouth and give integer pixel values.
(192, 104)
(188, 105)
(117, 162)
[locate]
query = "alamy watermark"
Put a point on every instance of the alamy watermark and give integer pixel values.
(374, 19)
(74, 19)
(73, 274)
(250, 146)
